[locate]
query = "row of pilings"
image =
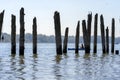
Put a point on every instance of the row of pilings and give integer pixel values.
(22, 32)
(86, 28)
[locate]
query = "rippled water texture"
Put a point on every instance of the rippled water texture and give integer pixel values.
(47, 66)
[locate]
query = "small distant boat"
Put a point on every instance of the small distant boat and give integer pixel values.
(74, 48)
(116, 43)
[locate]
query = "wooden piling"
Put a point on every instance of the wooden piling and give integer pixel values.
(113, 35)
(65, 41)
(1, 22)
(89, 21)
(107, 40)
(95, 33)
(13, 34)
(34, 36)
(58, 33)
(77, 37)
(102, 33)
(85, 37)
(22, 32)
(116, 52)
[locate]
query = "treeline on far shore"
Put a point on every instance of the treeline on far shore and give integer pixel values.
(49, 39)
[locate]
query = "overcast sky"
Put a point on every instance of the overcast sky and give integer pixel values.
(70, 12)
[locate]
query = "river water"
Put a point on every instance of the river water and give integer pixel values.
(47, 66)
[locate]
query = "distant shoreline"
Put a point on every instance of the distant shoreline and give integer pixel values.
(41, 38)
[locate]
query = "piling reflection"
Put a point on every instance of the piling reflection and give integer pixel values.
(87, 67)
(13, 63)
(77, 55)
(21, 59)
(86, 56)
(13, 55)
(57, 72)
(104, 55)
(58, 58)
(35, 56)
(21, 68)
(57, 67)
(34, 67)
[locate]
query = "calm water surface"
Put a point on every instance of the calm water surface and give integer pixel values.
(47, 66)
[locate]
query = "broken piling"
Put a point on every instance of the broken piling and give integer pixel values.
(34, 36)
(22, 32)
(13, 34)
(58, 33)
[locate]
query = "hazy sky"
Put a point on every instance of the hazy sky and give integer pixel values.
(70, 10)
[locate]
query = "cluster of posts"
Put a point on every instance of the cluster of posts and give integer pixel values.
(86, 28)
(22, 33)
(59, 50)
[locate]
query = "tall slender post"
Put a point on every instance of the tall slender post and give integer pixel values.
(107, 40)
(102, 33)
(58, 33)
(13, 34)
(89, 21)
(34, 36)
(65, 40)
(22, 32)
(95, 33)
(85, 37)
(77, 37)
(113, 35)
(1, 22)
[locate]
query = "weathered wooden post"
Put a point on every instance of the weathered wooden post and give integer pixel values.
(22, 32)
(77, 37)
(65, 40)
(34, 36)
(58, 33)
(13, 34)
(102, 33)
(1, 22)
(85, 37)
(89, 21)
(107, 40)
(113, 35)
(117, 52)
(95, 33)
